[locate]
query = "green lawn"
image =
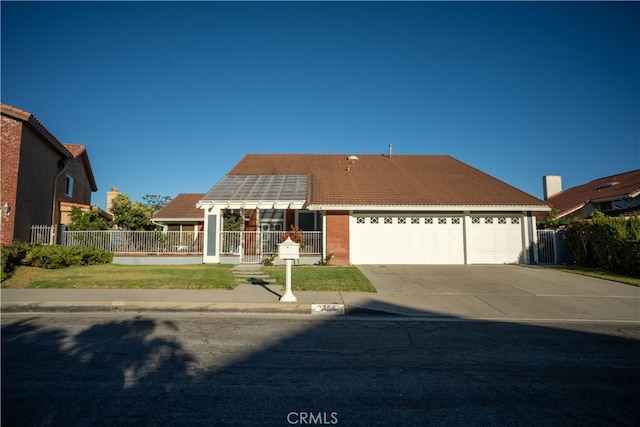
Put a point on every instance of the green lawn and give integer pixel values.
(201, 276)
(113, 276)
(601, 274)
(314, 278)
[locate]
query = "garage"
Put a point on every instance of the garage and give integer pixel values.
(494, 240)
(387, 239)
(379, 239)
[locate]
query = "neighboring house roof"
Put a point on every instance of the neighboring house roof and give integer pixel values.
(104, 214)
(81, 151)
(610, 188)
(182, 207)
(35, 124)
(66, 150)
(340, 181)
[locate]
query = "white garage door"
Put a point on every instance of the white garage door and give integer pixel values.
(494, 240)
(406, 240)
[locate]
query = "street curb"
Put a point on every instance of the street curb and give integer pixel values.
(137, 306)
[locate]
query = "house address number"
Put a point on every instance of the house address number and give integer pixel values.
(327, 308)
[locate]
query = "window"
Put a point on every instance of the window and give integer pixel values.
(442, 220)
(309, 221)
(415, 220)
(515, 220)
(488, 220)
(402, 220)
(502, 220)
(428, 220)
(374, 220)
(606, 206)
(360, 220)
(69, 187)
(388, 220)
(475, 220)
(455, 220)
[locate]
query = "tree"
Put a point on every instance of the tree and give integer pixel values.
(155, 201)
(80, 220)
(232, 220)
(131, 215)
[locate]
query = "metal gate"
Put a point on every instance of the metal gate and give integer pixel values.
(552, 248)
(251, 247)
(547, 247)
(257, 244)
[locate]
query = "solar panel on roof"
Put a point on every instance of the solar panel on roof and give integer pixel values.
(259, 187)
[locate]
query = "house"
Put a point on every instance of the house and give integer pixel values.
(39, 174)
(371, 209)
(181, 214)
(613, 195)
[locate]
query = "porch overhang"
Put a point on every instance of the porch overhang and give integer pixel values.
(251, 204)
(257, 192)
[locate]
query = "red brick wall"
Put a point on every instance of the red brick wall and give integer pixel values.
(290, 219)
(9, 159)
(252, 224)
(338, 236)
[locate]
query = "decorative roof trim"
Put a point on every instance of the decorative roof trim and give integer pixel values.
(572, 209)
(251, 204)
(433, 208)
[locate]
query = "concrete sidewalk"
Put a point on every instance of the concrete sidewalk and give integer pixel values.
(439, 292)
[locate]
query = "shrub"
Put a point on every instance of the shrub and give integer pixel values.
(604, 242)
(63, 256)
(12, 255)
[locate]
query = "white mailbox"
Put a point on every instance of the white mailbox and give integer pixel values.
(289, 249)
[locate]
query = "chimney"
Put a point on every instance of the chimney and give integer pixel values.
(551, 185)
(110, 195)
(390, 147)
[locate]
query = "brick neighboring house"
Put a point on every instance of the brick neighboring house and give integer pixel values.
(615, 195)
(376, 209)
(40, 175)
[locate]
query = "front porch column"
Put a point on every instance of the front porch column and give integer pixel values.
(212, 228)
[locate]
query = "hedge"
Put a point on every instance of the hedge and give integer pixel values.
(609, 243)
(50, 257)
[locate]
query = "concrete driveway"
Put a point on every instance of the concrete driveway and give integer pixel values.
(496, 292)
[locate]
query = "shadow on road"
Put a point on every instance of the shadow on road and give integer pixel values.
(137, 371)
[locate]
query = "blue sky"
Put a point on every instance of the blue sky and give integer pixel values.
(168, 96)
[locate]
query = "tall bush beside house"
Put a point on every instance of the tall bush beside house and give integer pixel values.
(604, 242)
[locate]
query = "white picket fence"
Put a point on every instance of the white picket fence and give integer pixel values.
(138, 242)
(124, 242)
(252, 246)
(42, 234)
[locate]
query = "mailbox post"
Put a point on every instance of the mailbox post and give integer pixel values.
(288, 251)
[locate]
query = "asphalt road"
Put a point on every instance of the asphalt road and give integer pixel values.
(178, 369)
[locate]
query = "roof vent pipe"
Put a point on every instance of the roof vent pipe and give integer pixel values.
(390, 147)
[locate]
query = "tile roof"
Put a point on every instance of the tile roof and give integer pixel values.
(183, 206)
(623, 185)
(378, 180)
(81, 151)
(29, 118)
